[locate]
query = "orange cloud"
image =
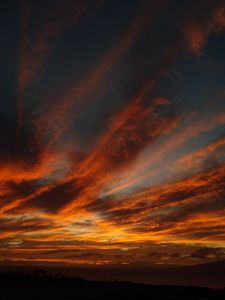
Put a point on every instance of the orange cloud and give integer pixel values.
(57, 119)
(62, 202)
(197, 32)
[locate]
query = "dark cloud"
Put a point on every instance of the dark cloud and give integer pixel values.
(112, 131)
(87, 255)
(23, 225)
(208, 253)
(56, 197)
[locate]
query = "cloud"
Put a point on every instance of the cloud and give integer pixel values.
(61, 109)
(197, 31)
(52, 20)
(120, 151)
(204, 253)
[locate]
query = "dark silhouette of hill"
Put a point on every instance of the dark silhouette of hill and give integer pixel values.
(204, 275)
(39, 284)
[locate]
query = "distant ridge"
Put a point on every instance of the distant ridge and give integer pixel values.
(41, 285)
(211, 274)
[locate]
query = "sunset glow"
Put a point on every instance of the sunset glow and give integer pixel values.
(112, 133)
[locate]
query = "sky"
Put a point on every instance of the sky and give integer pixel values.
(112, 132)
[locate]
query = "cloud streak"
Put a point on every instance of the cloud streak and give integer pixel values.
(115, 155)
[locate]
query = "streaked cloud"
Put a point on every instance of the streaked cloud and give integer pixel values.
(113, 150)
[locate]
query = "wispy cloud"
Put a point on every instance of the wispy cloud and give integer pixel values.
(114, 161)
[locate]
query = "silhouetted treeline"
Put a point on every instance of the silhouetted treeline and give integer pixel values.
(39, 284)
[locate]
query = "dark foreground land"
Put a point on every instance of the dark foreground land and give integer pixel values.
(41, 285)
